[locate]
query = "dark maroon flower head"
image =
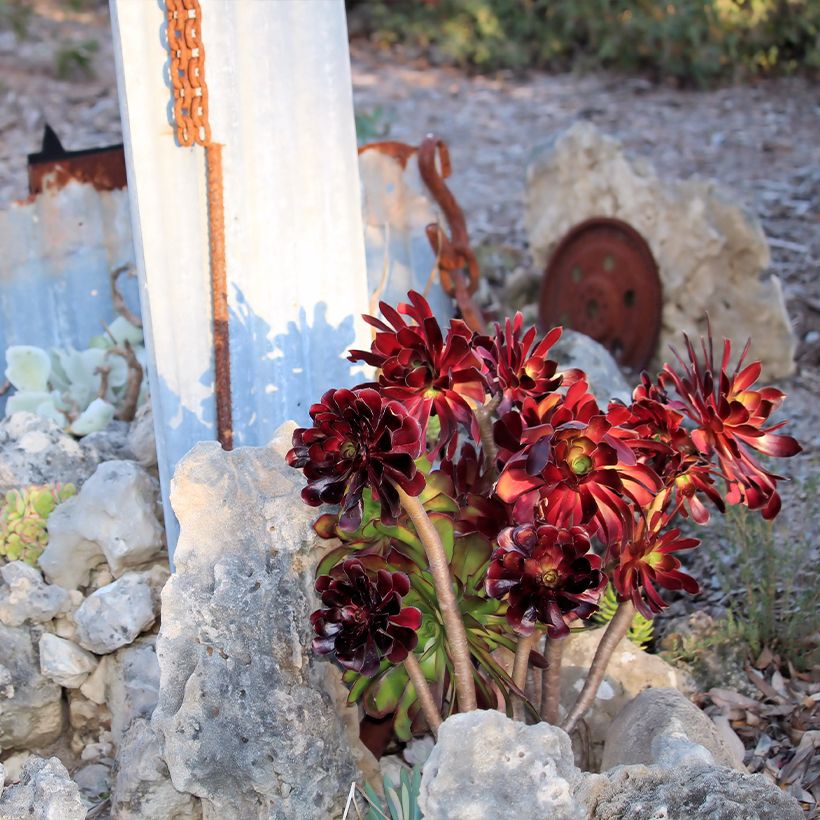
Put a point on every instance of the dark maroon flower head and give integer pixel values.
(644, 562)
(362, 619)
(577, 473)
(517, 367)
(421, 369)
(548, 575)
(358, 440)
(731, 421)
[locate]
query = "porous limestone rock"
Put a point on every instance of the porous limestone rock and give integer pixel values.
(37, 451)
(605, 379)
(31, 708)
(486, 765)
(112, 518)
(662, 727)
(712, 254)
(131, 684)
(242, 725)
(629, 672)
(45, 792)
(25, 596)
(685, 793)
(64, 662)
(116, 614)
(142, 789)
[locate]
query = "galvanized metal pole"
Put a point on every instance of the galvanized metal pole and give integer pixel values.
(280, 98)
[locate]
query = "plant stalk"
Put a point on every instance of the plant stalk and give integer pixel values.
(520, 666)
(443, 581)
(423, 693)
(484, 418)
(615, 631)
(551, 682)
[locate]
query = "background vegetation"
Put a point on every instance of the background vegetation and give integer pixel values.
(693, 42)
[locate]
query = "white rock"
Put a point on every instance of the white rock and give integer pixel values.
(94, 686)
(116, 614)
(32, 715)
(6, 682)
(131, 684)
(64, 662)
(143, 789)
(418, 750)
(113, 517)
(14, 766)
(25, 596)
(141, 439)
(2, 778)
(486, 765)
(37, 451)
(94, 782)
(710, 251)
(45, 792)
(605, 379)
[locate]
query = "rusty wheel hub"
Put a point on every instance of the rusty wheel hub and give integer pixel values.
(602, 280)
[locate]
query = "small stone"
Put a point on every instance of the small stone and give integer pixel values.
(14, 766)
(64, 662)
(418, 750)
(32, 715)
(605, 379)
(94, 782)
(660, 726)
(131, 684)
(486, 765)
(25, 596)
(45, 792)
(141, 439)
(143, 789)
(115, 615)
(94, 686)
(112, 518)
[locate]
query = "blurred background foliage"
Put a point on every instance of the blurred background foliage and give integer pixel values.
(691, 42)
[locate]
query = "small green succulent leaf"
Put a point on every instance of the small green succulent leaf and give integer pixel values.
(28, 367)
(94, 418)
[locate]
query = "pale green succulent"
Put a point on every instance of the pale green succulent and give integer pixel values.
(23, 517)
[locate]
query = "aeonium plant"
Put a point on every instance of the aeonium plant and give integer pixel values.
(483, 500)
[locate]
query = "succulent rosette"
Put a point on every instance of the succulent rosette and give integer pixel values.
(731, 421)
(424, 371)
(362, 619)
(548, 575)
(358, 439)
(645, 562)
(517, 367)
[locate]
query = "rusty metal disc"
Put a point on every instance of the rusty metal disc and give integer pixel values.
(602, 280)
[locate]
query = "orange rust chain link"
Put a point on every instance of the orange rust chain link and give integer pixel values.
(187, 70)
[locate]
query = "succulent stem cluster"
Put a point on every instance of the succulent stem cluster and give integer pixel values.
(23, 517)
(484, 501)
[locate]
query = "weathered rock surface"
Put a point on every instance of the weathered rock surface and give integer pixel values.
(25, 596)
(36, 451)
(142, 787)
(141, 440)
(630, 671)
(116, 614)
(131, 684)
(685, 793)
(64, 662)
(45, 792)
(112, 518)
(241, 724)
(486, 765)
(662, 727)
(31, 709)
(111, 443)
(710, 251)
(94, 782)
(605, 380)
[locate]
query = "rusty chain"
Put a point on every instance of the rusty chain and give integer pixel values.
(187, 74)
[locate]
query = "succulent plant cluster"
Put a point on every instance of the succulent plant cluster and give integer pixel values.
(479, 450)
(23, 517)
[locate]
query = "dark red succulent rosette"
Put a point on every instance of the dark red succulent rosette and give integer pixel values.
(424, 371)
(358, 440)
(577, 473)
(517, 367)
(362, 619)
(548, 575)
(731, 421)
(645, 562)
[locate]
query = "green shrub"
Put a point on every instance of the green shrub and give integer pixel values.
(692, 41)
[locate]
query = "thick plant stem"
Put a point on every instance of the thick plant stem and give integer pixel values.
(615, 631)
(484, 418)
(453, 623)
(551, 681)
(423, 693)
(520, 666)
